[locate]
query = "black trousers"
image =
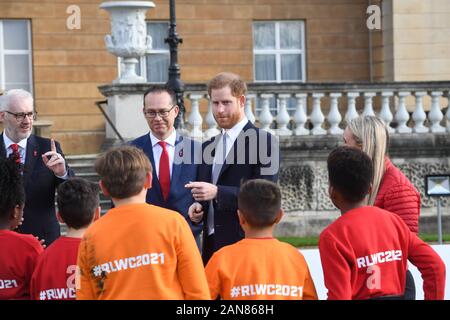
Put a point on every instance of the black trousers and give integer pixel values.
(208, 248)
(410, 287)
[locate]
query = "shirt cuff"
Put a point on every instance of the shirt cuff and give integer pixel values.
(64, 177)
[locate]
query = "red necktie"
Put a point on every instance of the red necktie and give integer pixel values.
(16, 154)
(164, 171)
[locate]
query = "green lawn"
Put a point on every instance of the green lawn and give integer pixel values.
(302, 242)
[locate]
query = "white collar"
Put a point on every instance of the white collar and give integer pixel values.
(236, 129)
(170, 140)
(7, 141)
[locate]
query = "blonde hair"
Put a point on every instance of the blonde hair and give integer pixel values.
(372, 134)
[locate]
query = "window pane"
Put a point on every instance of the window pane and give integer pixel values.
(265, 67)
(16, 69)
(15, 33)
(264, 36)
(290, 35)
(157, 67)
(291, 67)
(158, 32)
(23, 86)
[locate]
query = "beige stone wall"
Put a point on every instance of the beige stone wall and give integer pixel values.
(68, 65)
(419, 46)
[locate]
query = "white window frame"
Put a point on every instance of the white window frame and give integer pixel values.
(4, 51)
(143, 61)
(278, 52)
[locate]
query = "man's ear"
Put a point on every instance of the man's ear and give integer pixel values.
(59, 218)
(242, 100)
(148, 180)
(241, 217)
(280, 215)
(103, 188)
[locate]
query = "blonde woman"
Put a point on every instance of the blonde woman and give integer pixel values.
(391, 189)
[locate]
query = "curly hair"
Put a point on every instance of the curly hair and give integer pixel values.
(350, 171)
(12, 192)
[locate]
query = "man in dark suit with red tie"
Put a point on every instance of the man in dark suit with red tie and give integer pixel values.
(40, 160)
(241, 152)
(171, 155)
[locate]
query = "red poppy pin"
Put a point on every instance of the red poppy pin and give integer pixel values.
(35, 153)
(180, 153)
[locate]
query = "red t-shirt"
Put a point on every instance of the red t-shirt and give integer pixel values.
(54, 276)
(364, 255)
(18, 256)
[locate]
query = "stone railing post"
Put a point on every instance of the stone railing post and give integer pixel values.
(195, 118)
(211, 122)
(248, 107)
(385, 113)
(351, 106)
(283, 116)
(419, 115)
(402, 115)
(368, 103)
(435, 116)
(300, 117)
(317, 116)
(265, 117)
(334, 117)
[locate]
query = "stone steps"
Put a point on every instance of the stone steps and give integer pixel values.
(83, 166)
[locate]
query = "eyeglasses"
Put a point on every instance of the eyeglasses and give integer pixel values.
(21, 116)
(162, 113)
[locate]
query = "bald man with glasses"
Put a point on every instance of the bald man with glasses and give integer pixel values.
(40, 161)
(171, 155)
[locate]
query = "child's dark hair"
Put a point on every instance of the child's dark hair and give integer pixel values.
(12, 192)
(350, 171)
(259, 201)
(77, 200)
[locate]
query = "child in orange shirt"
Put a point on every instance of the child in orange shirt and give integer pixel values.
(137, 250)
(259, 266)
(19, 252)
(54, 276)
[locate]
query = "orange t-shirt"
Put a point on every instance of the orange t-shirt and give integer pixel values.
(260, 269)
(140, 251)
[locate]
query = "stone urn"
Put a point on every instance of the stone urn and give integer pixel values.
(128, 39)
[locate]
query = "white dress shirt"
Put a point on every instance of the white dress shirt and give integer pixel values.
(23, 151)
(22, 147)
(231, 136)
(157, 150)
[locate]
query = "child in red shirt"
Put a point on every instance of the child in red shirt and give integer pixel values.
(259, 267)
(54, 276)
(364, 252)
(19, 252)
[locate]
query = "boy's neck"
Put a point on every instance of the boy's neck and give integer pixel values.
(259, 233)
(75, 233)
(137, 199)
(350, 206)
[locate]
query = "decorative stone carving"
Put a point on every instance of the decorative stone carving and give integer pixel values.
(128, 39)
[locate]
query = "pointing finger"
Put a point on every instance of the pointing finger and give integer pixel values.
(52, 145)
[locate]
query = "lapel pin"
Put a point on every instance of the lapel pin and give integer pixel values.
(180, 153)
(35, 153)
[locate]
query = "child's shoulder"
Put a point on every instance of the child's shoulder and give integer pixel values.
(22, 240)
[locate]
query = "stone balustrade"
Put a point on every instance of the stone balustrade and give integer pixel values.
(324, 109)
